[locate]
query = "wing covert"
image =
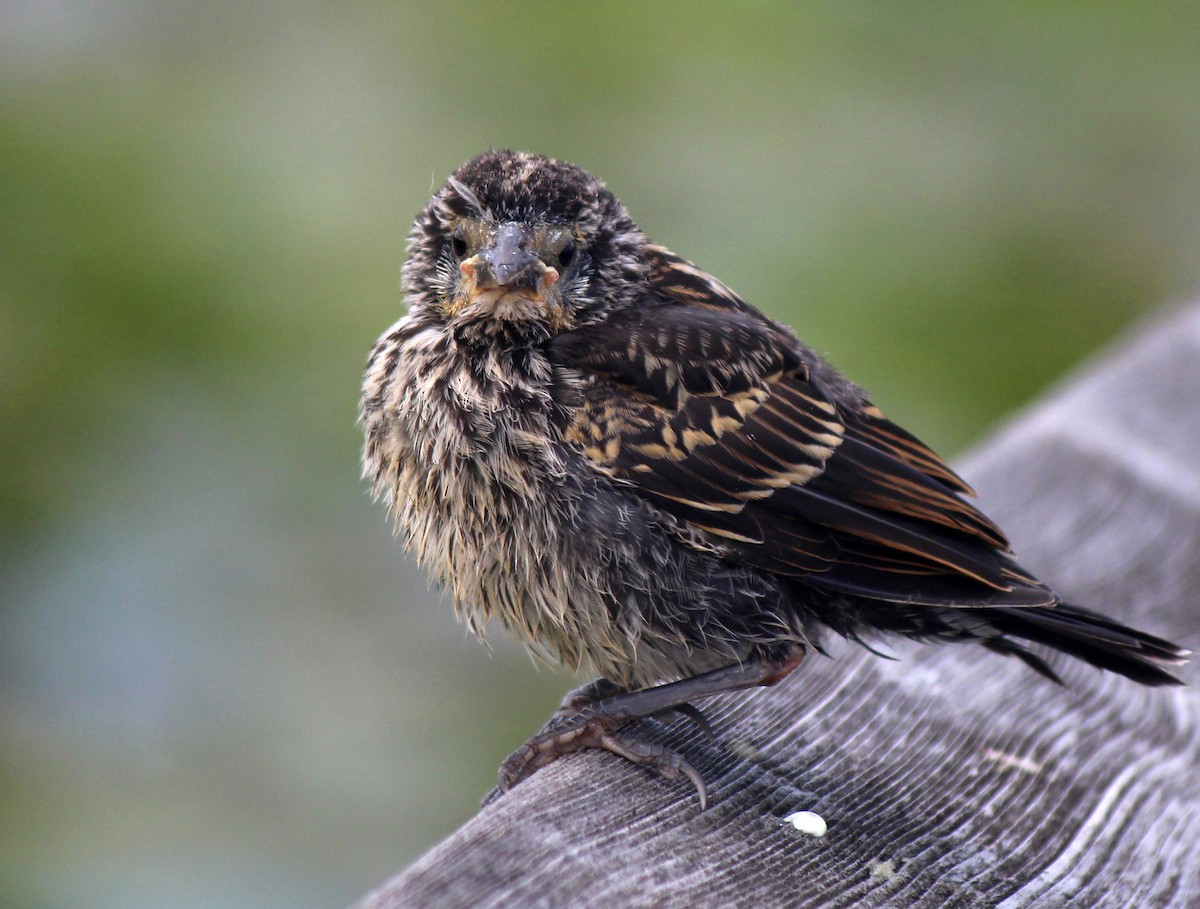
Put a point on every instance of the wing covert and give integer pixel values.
(721, 418)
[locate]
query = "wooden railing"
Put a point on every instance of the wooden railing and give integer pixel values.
(950, 776)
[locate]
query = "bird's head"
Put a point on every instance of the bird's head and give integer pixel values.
(520, 246)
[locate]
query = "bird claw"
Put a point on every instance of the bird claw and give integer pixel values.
(688, 712)
(587, 729)
(668, 764)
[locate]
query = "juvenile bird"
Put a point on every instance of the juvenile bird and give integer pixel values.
(589, 439)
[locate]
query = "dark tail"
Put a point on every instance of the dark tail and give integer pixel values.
(1089, 636)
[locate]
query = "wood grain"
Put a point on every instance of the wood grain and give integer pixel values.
(950, 776)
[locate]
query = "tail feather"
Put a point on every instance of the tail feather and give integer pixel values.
(1091, 637)
(1025, 655)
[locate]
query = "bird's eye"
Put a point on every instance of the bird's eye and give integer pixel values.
(566, 255)
(458, 243)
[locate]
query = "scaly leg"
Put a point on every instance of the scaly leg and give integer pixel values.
(587, 695)
(584, 722)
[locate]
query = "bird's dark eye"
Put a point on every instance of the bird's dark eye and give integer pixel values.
(458, 243)
(566, 255)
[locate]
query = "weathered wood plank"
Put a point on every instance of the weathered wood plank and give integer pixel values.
(951, 777)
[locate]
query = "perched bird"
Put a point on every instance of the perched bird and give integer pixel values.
(589, 439)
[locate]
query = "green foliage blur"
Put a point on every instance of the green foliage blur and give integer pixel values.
(220, 681)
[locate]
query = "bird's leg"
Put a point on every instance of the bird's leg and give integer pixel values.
(595, 723)
(586, 695)
(578, 698)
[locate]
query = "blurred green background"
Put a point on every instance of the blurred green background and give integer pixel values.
(221, 683)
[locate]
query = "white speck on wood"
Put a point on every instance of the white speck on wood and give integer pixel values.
(885, 869)
(808, 822)
(1016, 762)
(745, 750)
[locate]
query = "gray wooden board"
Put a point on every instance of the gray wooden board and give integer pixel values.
(951, 776)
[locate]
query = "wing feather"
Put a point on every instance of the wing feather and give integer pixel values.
(721, 419)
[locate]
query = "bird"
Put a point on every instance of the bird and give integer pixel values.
(588, 439)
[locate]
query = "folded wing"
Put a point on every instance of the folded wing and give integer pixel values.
(721, 418)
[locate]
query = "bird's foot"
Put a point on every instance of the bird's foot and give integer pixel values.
(590, 727)
(592, 717)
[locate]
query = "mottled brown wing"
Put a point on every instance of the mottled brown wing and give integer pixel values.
(719, 417)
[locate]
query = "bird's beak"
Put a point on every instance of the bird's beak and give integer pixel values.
(508, 258)
(508, 281)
